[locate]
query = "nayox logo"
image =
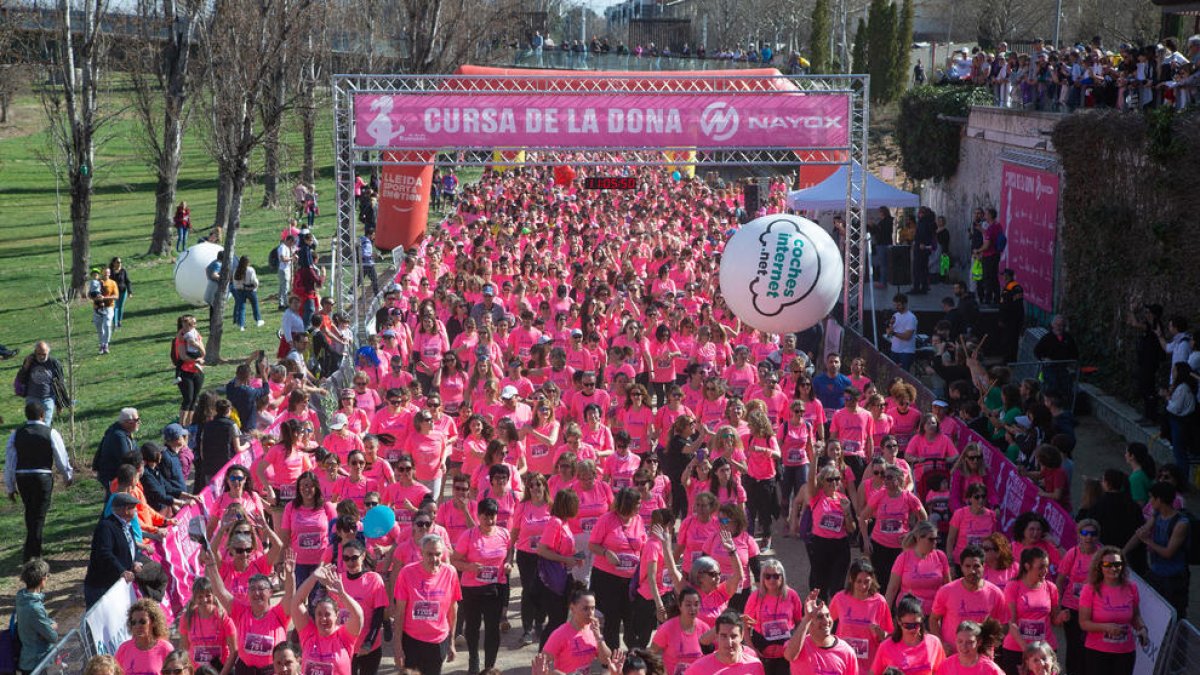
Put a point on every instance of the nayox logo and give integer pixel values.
(719, 121)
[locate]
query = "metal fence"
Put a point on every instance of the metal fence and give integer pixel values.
(1181, 651)
(68, 657)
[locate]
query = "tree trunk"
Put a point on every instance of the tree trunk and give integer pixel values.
(216, 317)
(177, 58)
(270, 198)
(81, 213)
(224, 188)
(308, 120)
(164, 200)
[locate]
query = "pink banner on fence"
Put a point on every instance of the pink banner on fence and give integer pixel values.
(601, 120)
(1029, 212)
(181, 555)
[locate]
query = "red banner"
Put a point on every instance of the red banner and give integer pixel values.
(1029, 212)
(403, 201)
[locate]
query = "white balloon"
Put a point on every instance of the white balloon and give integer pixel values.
(781, 273)
(191, 273)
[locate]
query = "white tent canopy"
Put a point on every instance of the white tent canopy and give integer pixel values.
(830, 194)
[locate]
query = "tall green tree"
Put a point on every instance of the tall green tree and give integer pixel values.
(904, 33)
(858, 56)
(881, 48)
(819, 38)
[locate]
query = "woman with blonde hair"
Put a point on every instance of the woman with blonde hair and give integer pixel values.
(762, 452)
(921, 569)
(1109, 616)
(832, 524)
(772, 613)
(969, 470)
(148, 647)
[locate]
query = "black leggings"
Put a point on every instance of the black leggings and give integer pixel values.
(612, 600)
(482, 604)
(830, 574)
(366, 664)
(761, 505)
(424, 657)
(1105, 663)
(556, 612)
(642, 623)
(882, 559)
(190, 385)
(659, 391)
(533, 611)
(241, 668)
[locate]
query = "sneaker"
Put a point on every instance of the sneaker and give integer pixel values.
(260, 323)
(526, 638)
(460, 642)
(242, 329)
(505, 626)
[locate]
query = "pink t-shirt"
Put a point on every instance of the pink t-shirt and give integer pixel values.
(828, 516)
(710, 665)
(370, 592)
(573, 649)
(853, 429)
(453, 519)
(395, 494)
(984, 666)
(1077, 565)
(856, 618)
(746, 547)
(775, 618)
(326, 655)
(921, 576)
(713, 603)
(793, 444)
(694, 536)
(258, 636)
(429, 454)
(972, 528)
(489, 550)
(342, 446)
(143, 662)
(530, 520)
(308, 531)
(593, 503)
(1111, 604)
(208, 639)
(1033, 607)
(955, 604)
(539, 455)
(1001, 577)
(922, 658)
(760, 456)
(428, 596)
(892, 516)
(624, 539)
(619, 470)
(238, 583)
(652, 552)
(637, 424)
(680, 648)
(816, 660)
(287, 469)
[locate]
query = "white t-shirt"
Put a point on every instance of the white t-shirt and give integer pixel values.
(903, 322)
(285, 257)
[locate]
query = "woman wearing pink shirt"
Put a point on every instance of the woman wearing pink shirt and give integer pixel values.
(854, 428)
(484, 555)
(341, 441)
(457, 514)
(931, 450)
(999, 567)
(643, 482)
(391, 423)
(920, 569)
(616, 543)
(429, 344)
(289, 459)
(595, 432)
(679, 640)
(905, 418)
(478, 432)
(832, 524)
(657, 578)
(969, 470)
(369, 590)
(710, 411)
(797, 447)
(243, 557)
(696, 529)
(1033, 609)
(773, 611)
(1072, 577)
(731, 519)
(528, 522)
(206, 633)
(895, 512)
(724, 485)
(145, 652)
(762, 452)
(664, 352)
(883, 422)
(298, 410)
(556, 550)
(260, 625)
(973, 643)
(452, 383)
(327, 646)
(909, 648)
(426, 597)
(377, 469)
(428, 448)
(405, 495)
(620, 466)
(238, 490)
(971, 524)
(304, 528)
(576, 644)
(358, 408)
(540, 437)
(1110, 616)
(636, 418)
(355, 485)
(814, 410)
(862, 614)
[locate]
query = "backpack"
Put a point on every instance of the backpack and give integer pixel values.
(273, 258)
(1192, 545)
(1001, 242)
(10, 646)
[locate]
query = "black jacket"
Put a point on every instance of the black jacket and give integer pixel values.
(110, 555)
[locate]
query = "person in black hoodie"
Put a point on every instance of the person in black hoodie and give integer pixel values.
(1116, 510)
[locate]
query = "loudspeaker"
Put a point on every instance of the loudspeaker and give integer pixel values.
(899, 265)
(751, 199)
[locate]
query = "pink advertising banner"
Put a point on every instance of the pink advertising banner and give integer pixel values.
(1029, 212)
(600, 120)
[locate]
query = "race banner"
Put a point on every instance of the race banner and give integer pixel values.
(1029, 213)
(783, 120)
(106, 621)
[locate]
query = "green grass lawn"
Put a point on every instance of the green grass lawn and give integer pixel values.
(138, 371)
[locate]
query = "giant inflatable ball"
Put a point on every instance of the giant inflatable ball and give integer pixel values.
(781, 273)
(191, 273)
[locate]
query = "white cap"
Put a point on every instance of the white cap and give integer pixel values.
(339, 421)
(508, 392)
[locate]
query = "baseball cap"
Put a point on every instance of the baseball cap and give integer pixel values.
(576, 333)
(939, 403)
(346, 393)
(339, 421)
(489, 289)
(508, 392)
(174, 431)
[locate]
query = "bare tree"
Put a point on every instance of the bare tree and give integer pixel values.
(161, 74)
(16, 70)
(314, 64)
(439, 35)
(73, 111)
(247, 44)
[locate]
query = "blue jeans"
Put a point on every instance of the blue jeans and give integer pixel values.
(310, 308)
(48, 418)
(181, 239)
(102, 319)
(119, 308)
(904, 360)
(239, 306)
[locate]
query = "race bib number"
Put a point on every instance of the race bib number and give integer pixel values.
(626, 561)
(1031, 630)
(488, 574)
(534, 541)
(795, 455)
(205, 654)
(430, 350)
(258, 645)
(310, 540)
(539, 451)
(425, 610)
(832, 521)
(1118, 637)
(286, 493)
(851, 447)
(861, 647)
(318, 668)
(890, 525)
(667, 580)
(587, 524)
(776, 630)
(1076, 589)
(621, 482)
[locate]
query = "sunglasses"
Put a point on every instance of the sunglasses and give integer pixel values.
(306, 430)
(723, 521)
(910, 625)
(242, 551)
(173, 671)
(350, 558)
(1089, 533)
(404, 469)
(973, 456)
(833, 480)
(877, 473)
(1113, 565)
(891, 445)
(395, 401)
(771, 575)
(422, 523)
(236, 478)
(370, 505)
(978, 497)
